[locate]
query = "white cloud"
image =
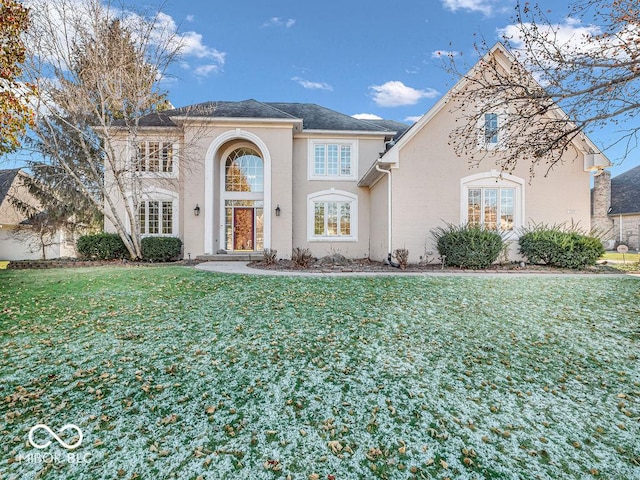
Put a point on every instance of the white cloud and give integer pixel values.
(279, 22)
(482, 6)
(396, 94)
(312, 85)
(572, 39)
(366, 116)
(206, 70)
(190, 18)
(159, 32)
(413, 119)
(445, 53)
(190, 43)
(571, 35)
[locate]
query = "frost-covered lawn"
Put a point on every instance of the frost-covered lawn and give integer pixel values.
(177, 373)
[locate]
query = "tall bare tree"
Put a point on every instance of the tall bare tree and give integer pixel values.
(97, 68)
(565, 79)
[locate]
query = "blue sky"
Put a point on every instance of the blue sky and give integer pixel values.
(359, 57)
(355, 56)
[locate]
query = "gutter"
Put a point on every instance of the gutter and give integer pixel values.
(389, 210)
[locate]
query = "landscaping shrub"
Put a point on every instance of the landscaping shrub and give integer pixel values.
(402, 256)
(101, 246)
(161, 249)
(560, 246)
(468, 246)
(301, 257)
(270, 256)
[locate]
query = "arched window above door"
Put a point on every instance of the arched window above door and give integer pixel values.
(244, 171)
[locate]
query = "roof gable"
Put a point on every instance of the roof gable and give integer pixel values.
(505, 58)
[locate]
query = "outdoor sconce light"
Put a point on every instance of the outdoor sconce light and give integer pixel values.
(196, 211)
(278, 210)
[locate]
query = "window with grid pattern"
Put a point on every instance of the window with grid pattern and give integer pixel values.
(156, 217)
(332, 160)
(155, 157)
(244, 171)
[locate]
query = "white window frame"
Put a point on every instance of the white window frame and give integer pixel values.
(494, 179)
(175, 158)
(501, 114)
(160, 195)
(337, 196)
(353, 146)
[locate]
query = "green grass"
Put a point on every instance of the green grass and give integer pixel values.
(629, 257)
(177, 373)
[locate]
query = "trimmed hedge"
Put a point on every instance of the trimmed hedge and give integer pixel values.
(161, 249)
(468, 246)
(101, 246)
(559, 246)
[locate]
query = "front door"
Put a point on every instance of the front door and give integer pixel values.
(243, 229)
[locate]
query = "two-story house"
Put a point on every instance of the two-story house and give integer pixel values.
(245, 176)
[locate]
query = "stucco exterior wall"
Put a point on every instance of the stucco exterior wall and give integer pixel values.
(206, 147)
(378, 220)
(427, 188)
(368, 150)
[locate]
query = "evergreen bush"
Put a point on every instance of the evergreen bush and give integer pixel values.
(161, 249)
(560, 246)
(468, 246)
(101, 246)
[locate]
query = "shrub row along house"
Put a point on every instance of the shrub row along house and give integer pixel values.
(240, 177)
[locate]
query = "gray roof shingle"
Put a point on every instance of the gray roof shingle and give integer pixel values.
(6, 180)
(625, 192)
(314, 117)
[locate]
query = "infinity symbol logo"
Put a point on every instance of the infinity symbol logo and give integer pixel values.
(68, 426)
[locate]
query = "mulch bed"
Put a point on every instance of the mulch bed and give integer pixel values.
(74, 262)
(367, 265)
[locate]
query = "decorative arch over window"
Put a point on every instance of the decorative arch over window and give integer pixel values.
(244, 171)
(493, 200)
(332, 216)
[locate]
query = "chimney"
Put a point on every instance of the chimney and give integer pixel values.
(601, 223)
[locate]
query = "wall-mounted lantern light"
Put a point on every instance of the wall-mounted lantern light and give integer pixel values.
(278, 210)
(196, 211)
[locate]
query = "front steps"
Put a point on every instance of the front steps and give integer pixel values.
(230, 257)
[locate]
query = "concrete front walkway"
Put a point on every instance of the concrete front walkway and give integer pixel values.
(242, 268)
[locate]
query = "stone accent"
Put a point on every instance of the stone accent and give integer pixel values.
(601, 223)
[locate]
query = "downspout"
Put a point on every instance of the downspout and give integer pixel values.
(389, 210)
(621, 241)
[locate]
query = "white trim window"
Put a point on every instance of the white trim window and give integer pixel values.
(156, 157)
(332, 160)
(332, 216)
(156, 217)
(491, 129)
(492, 200)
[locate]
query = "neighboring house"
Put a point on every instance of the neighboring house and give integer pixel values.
(243, 176)
(23, 245)
(616, 208)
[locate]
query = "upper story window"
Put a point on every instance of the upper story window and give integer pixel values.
(244, 171)
(332, 160)
(155, 157)
(491, 129)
